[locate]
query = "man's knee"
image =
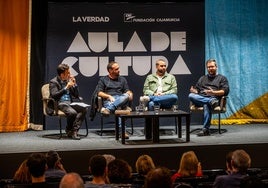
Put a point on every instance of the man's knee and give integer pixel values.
(191, 95)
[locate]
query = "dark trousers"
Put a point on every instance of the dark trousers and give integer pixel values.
(75, 115)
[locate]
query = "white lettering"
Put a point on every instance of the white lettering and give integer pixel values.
(141, 65)
(91, 19)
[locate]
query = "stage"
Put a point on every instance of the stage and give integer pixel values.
(211, 150)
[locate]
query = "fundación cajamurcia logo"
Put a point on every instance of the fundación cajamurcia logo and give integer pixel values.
(128, 17)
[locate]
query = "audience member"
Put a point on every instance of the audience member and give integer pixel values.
(71, 180)
(144, 164)
(228, 160)
(207, 93)
(160, 88)
(240, 163)
(189, 166)
(98, 169)
(37, 165)
(22, 174)
(109, 158)
(55, 167)
(119, 172)
(159, 177)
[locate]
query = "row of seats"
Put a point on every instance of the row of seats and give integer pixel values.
(206, 181)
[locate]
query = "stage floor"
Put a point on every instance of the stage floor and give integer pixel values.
(33, 141)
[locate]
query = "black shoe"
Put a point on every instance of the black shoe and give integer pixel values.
(69, 133)
(204, 132)
(214, 103)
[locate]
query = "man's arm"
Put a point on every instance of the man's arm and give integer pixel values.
(173, 86)
(54, 90)
(106, 96)
(146, 87)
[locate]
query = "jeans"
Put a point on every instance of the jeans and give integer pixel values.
(165, 101)
(120, 101)
(200, 101)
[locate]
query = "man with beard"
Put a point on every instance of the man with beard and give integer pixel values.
(160, 88)
(207, 93)
(114, 91)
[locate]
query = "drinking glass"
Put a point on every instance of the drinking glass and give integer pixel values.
(156, 109)
(175, 108)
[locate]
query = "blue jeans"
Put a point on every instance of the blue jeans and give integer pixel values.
(200, 101)
(165, 101)
(120, 101)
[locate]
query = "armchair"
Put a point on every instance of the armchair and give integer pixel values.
(217, 110)
(50, 109)
(96, 106)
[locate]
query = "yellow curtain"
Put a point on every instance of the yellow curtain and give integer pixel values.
(14, 30)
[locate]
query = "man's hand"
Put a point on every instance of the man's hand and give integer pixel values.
(130, 95)
(71, 82)
(209, 91)
(111, 98)
(193, 90)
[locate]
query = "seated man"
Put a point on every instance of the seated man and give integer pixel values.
(207, 93)
(240, 163)
(114, 90)
(37, 166)
(160, 88)
(55, 168)
(63, 88)
(70, 180)
(98, 169)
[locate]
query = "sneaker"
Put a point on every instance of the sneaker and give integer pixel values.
(105, 111)
(204, 132)
(122, 112)
(73, 135)
(126, 136)
(144, 99)
(214, 103)
(128, 108)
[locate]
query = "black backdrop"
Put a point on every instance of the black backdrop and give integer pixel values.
(55, 25)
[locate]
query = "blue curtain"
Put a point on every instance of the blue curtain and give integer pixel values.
(237, 37)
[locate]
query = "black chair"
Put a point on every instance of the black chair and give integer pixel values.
(96, 106)
(50, 109)
(217, 110)
(190, 181)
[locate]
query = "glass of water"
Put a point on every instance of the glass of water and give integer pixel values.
(156, 109)
(175, 108)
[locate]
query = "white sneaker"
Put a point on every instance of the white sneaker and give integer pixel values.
(122, 112)
(105, 111)
(144, 99)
